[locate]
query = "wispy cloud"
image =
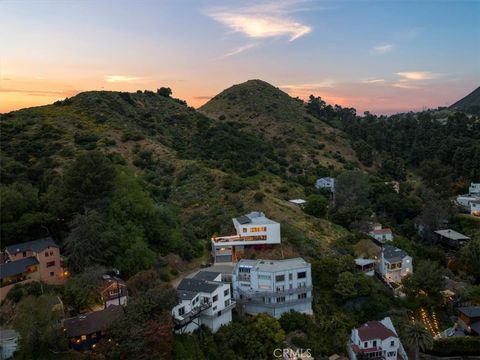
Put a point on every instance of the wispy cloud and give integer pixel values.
(121, 78)
(239, 50)
(373, 81)
(265, 20)
(40, 92)
(381, 49)
(418, 75)
(309, 86)
(402, 84)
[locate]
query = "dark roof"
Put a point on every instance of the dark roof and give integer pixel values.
(243, 219)
(393, 253)
(470, 311)
(206, 275)
(91, 322)
(186, 295)
(35, 245)
(195, 285)
(16, 267)
(374, 330)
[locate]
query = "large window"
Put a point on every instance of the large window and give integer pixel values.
(215, 298)
(50, 264)
(281, 299)
(302, 296)
(263, 277)
(302, 275)
(226, 292)
(279, 278)
(258, 229)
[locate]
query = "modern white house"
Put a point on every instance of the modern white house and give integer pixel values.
(253, 229)
(365, 266)
(394, 264)
(376, 340)
(475, 207)
(204, 299)
(474, 189)
(380, 234)
(326, 183)
(273, 286)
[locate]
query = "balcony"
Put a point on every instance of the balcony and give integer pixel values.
(191, 315)
(258, 294)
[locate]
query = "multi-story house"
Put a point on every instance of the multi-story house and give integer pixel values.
(394, 264)
(253, 229)
(203, 300)
(37, 260)
(474, 189)
(273, 286)
(365, 266)
(326, 183)
(376, 340)
(380, 234)
(475, 207)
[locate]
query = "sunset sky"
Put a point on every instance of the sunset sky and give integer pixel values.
(383, 56)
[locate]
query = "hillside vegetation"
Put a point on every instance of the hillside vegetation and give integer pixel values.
(470, 103)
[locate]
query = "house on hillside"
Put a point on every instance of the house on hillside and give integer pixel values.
(451, 237)
(37, 260)
(376, 340)
(298, 202)
(475, 207)
(86, 330)
(380, 234)
(469, 319)
(273, 286)
(365, 266)
(113, 291)
(326, 183)
(394, 264)
(474, 189)
(464, 200)
(253, 229)
(204, 299)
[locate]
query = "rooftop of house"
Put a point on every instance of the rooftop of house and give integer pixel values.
(374, 330)
(8, 334)
(35, 245)
(274, 265)
(451, 234)
(327, 179)
(107, 281)
(206, 275)
(381, 231)
(16, 267)
(470, 311)
(187, 286)
(255, 217)
(391, 253)
(363, 262)
(298, 201)
(91, 322)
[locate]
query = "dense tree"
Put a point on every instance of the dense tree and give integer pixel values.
(37, 321)
(470, 258)
(427, 281)
(316, 205)
(81, 291)
(352, 189)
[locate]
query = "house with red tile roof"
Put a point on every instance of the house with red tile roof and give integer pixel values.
(380, 234)
(376, 340)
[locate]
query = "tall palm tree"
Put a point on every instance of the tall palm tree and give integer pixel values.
(418, 338)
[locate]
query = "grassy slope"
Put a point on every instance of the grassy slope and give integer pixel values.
(41, 140)
(269, 112)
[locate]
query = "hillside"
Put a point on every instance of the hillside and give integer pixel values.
(197, 170)
(267, 112)
(470, 103)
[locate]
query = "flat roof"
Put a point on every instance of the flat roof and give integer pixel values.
(254, 217)
(274, 265)
(363, 262)
(452, 234)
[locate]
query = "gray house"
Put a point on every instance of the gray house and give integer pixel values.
(273, 286)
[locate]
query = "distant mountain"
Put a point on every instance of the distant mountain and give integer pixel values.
(470, 103)
(266, 111)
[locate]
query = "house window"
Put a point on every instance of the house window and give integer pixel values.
(181, 311)
(391, 353)
(226, 292)
(279, 278)
(50, 264)
(51, 253)
(302, 296)
(374, 343)
(113, 292)
(290, 276)
(264, 277)
(24, 253)
(281, 299)
(365, 344)
(219, 314)
(52, 273)
(46, 253)
(215, 298)
(93, 336)
(214, 308)
(392, 343)
(83, 337)
(227, 302)
(302, 275)
(244, 229)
